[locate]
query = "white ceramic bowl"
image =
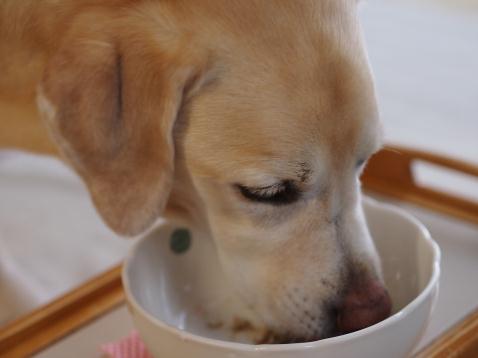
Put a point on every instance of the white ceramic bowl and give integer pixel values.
(168, 294)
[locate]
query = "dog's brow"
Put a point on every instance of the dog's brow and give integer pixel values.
(303, 172)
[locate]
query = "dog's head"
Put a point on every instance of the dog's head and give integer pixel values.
(252, 120)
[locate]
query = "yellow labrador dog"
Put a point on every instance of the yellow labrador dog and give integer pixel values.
(251, 120)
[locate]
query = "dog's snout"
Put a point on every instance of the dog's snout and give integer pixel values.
(366, 302)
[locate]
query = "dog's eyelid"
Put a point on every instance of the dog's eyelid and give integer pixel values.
(284, 192)
(276, 187)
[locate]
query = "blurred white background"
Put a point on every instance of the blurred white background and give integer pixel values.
(424, 55)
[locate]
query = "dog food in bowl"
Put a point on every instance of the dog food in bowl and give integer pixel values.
(183, 306)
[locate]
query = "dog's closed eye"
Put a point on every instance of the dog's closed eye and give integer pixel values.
(282, 193)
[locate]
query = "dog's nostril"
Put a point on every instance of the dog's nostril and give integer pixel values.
(365, 304)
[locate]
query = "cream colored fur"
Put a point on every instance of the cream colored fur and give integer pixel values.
(164, 107)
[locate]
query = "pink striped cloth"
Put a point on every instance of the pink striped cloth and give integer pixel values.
(128, 347)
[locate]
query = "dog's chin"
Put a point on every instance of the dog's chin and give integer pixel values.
(306, 327)
(326, 330)
(271, 337)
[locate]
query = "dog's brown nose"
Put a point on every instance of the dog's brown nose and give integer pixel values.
(366, 302)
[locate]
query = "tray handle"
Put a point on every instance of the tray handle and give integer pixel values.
(391, 172)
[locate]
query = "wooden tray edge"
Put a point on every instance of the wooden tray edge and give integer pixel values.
(44, 326)
(389, 172)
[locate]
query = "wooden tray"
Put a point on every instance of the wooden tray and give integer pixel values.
(390, 172)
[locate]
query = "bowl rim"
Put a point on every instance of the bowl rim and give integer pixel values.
(245, 347)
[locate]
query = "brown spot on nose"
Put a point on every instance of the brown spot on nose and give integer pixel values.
(366, 302)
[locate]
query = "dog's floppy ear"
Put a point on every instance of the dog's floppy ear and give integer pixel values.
(110, 98)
